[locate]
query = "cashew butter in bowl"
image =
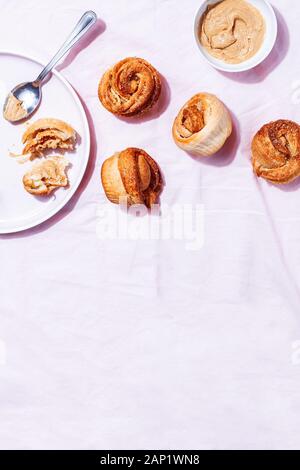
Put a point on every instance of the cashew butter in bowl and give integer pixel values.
(235, 35)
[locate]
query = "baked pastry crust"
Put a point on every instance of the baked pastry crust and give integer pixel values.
(131, 176)
(130, 88)
(203, 125)
(276, 151)
(47, 134)
(46, 176)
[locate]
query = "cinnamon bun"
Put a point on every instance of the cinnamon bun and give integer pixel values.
(203, 125)
(276, 151)
(131, 176)
(130, 88)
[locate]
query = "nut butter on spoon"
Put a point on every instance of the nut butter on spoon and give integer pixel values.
(24, 99)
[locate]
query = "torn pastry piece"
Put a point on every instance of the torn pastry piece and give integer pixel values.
(203, 125)
(131, 176)
(46, 176)
(130, 88)
(47, 134)
(276, 152)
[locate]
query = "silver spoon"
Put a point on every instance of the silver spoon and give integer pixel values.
(27, 96)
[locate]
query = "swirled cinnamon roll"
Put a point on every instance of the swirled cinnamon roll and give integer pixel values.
(202, 125)
(130, 88)
(133, 176)
(276, 152)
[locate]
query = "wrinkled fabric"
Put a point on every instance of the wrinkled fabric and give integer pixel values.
(118, 343)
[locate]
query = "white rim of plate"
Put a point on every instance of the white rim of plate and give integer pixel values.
(243, 66)
(76, 185)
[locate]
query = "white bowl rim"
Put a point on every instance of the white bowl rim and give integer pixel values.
(242, 66)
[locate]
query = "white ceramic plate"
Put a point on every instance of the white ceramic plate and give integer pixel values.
(267, 12)
(20, 210)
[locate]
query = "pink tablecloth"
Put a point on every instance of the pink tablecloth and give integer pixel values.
(148, 343)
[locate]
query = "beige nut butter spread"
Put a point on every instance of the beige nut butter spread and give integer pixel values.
(14, 110)
(232, 31)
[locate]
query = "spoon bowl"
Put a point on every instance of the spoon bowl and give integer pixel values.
(29, 94)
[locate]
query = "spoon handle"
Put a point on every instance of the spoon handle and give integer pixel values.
(86, 21)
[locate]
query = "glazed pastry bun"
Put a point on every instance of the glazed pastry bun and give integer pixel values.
(47, 134)
(202, 126)
(131, 177)
(46, 176)
(276, 152)
(130, 88)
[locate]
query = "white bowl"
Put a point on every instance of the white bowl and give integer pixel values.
(267, 12)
